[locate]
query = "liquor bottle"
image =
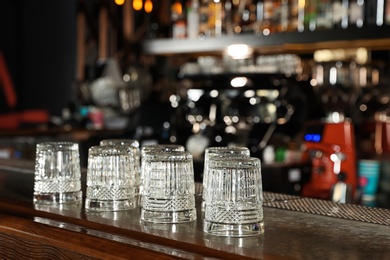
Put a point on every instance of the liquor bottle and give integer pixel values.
(178, 20)
(284, 16)
(375, 12)
(228, 24)
(204, 16)
(192, 19)
(293, 15)
(248, 17)
(218, 18)
(310, 18)
(340, 13)
(380, 12)
(387, 12)
(268, 25)
(356, 13)
(301, 16)
(324, 14)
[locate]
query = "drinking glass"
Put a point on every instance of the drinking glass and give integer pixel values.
(219, 151)
(157, 148)
(168, 188)
(57, 173)
(137, 158)
(234, 197)
(110, 178)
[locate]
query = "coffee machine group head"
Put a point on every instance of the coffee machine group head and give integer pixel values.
(330, 146)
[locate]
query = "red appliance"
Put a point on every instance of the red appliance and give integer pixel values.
(331, 149)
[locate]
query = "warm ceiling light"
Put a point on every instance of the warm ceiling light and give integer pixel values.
(177, 8)
(239, 51)
(148, 6)
(239, 82)
(119, 2)
(137, 5)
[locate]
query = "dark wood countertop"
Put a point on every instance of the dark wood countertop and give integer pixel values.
(28, 231)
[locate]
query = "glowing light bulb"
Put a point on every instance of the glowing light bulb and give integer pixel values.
(137, 5)
(148, 6)
(119, 2)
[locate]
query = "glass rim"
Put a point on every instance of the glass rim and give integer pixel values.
(162, 146)
(167, 155)
(224, 162)
(120, 141)
(111, 150)
(58, 145)
(227, 149)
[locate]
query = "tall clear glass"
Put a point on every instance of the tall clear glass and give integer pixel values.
(234, 198)
(57, 173)
(110, 178)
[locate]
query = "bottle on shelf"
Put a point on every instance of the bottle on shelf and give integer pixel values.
(178, 20)
(192, 19)
(375, 12)
(227, 18)
(356, 13)
(269, 22)
(284, 15)
(292, 15)
(217, 18)
(324, 15)
(204, 17)
(340, 13)
(387, 12)
(248, 17)
(310, 17)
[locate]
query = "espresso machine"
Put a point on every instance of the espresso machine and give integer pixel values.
(330, 145)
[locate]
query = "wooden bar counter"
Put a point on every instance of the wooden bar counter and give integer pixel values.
(295, 228)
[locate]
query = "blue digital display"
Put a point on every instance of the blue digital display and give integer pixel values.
(312, 138)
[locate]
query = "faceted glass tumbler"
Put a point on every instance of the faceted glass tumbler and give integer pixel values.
(137, 158)
(57, 173)
(157, 148)
(234, 198)
(219, 151)
(169, 188)
(110, 178)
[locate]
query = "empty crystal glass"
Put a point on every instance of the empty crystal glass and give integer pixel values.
(234, 197)
(57, 173)
(137, 158)
(157, 148)
(110, 178)
(219, 151)
(168, 187)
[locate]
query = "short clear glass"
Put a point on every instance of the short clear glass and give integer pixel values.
(234, 198)
(219, 151)
(137, 158)
(157, 148)
(110, 178)
(57, 173)
(168, 187)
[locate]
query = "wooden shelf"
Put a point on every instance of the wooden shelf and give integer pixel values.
(371, 37)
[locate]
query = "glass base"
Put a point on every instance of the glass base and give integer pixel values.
(59, 197)
(168, 216)
(109, 205)
(233, 230)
